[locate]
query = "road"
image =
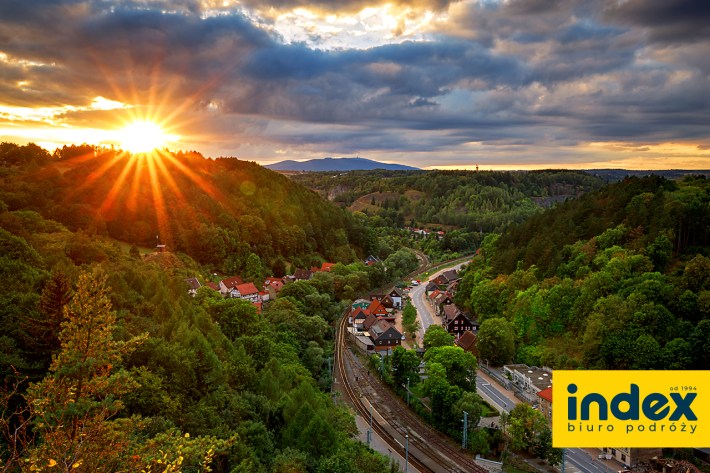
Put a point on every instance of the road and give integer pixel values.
(578, 460)
(417, 295)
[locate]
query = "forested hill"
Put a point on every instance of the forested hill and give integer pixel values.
(470, 200)
(216, 211)
(617, 279)
(109, 365)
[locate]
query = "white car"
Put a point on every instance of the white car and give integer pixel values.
(415, 283)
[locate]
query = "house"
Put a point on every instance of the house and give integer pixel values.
(303, 275)
(247, 292)
(370, 320)
(396, 295)
(442, 300)
(358, 317)
(467, 341)
(455, 322)
(272, 280)
(264, 296)
(378, 310)
(451, 288)
(633, 456)
(387, 302)
(433, 295)
(288, 279)
(272, 286)
(213, 286)
(441, 281)
(327, 267)
(258, 306)
(432, 286)
(161, 249)
(450, 275)
(362, 342)
(384, 336)
(544, 403)
(226, 286)
(371, 259)
(374, 297)
(194, 286)
(531, 379)
(361, 303)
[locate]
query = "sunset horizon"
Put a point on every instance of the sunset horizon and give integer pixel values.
(433, 84)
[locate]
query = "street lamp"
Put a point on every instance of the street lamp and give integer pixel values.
(407, 392)
(465, 429)
(406, 454)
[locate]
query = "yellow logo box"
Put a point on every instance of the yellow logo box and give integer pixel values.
(631, 409)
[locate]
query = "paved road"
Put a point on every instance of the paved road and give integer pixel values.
(501, 400)
(578, 461)
(417, 294)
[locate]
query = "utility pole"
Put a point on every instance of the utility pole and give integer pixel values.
(407, 392)
(369, 432)
(465, 428)
(406, 454)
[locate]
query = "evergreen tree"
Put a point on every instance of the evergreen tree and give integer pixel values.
(42, 334)
(74, 405)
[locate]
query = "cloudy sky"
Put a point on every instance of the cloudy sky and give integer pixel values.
(430, 83)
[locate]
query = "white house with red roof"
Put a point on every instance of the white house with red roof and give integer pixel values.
(248, 292)
(228, 285)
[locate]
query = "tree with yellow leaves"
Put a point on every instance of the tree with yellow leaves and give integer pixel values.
(74, 405)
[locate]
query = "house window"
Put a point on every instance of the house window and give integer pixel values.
(379, 342)
(623, 458)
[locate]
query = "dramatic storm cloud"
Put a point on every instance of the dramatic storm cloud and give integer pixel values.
(517, 83)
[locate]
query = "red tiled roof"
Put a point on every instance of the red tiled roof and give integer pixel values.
(270, 280)
(327, 266)
(248, 288)
(234, 281)
(258, 306)
(212, 285)
(546, 394)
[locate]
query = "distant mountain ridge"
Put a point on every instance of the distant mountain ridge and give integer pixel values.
(336, 164)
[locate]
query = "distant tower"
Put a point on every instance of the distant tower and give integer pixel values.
(476, 167)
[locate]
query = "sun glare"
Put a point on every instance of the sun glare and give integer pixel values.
(142, 137)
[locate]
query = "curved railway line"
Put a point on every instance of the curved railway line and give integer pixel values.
(423, 441)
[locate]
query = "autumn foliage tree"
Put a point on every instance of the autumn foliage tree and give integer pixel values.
(74, 405)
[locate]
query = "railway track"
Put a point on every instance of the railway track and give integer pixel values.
(421, 437)
(396, 446)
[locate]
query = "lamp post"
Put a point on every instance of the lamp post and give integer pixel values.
(465, 429)
(369, 432)
(406, 454)
(407, 392)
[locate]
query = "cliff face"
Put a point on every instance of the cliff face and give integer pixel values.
(337, 190)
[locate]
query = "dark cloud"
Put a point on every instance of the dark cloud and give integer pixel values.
(667, 20)
(515, 73)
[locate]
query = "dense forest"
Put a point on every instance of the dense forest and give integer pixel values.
(215, 211)
(110, 365)
(617, 279)
(469, 200)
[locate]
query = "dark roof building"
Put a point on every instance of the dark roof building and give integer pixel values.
(303, 275)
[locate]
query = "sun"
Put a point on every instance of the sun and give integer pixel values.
(144, 136)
